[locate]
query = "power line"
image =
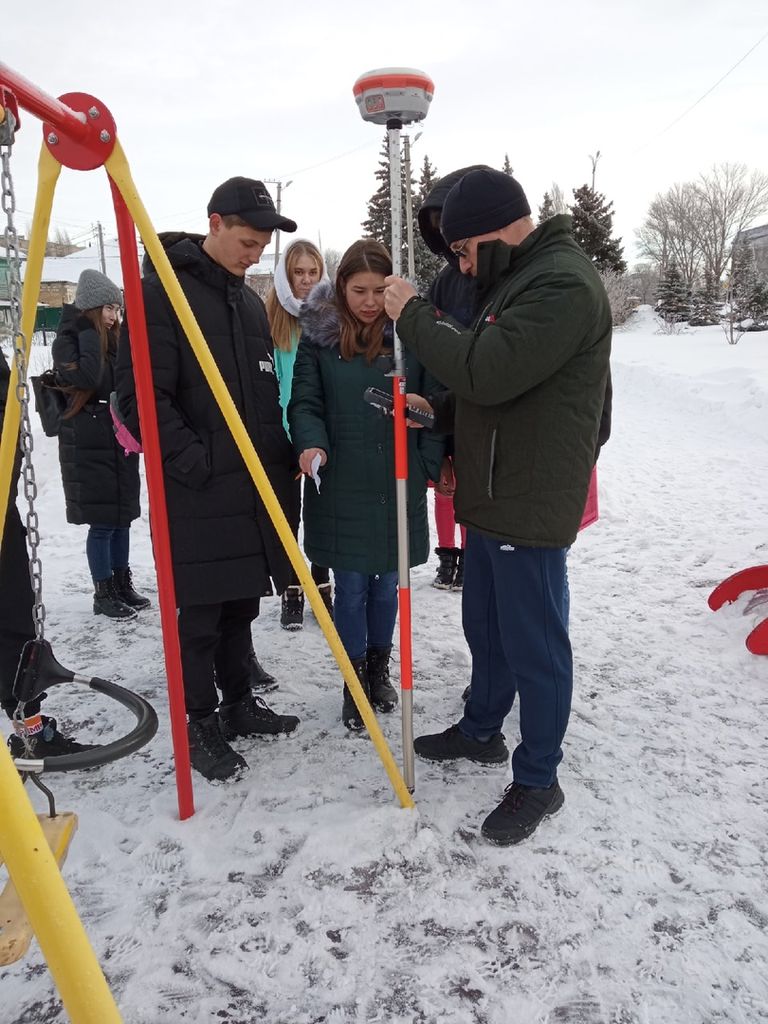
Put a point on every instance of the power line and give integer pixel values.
(703, 96)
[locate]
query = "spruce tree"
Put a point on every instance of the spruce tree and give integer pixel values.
(672, 301)
(705, 309)
(428, 265)
(507, 166)
(547, 208)
(743, 280)
(592, 227)
(378, 223)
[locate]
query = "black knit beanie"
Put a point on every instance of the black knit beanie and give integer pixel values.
(481, 202)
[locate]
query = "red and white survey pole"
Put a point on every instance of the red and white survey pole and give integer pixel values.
(394, 97)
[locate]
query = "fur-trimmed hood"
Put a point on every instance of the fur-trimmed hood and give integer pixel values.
(319, 316)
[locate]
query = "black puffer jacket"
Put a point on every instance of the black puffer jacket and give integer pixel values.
(224, 546)
(101, 483)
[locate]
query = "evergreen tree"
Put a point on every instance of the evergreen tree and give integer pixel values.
(758, 306)
(547, 208)
(705, 308)
(672, 302)
(378, 223)
(743, 280)
(507, 167)
(428, 265)
(592, 227)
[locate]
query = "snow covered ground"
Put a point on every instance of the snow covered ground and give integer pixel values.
(304, 894)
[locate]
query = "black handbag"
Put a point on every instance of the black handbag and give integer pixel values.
(50, 400)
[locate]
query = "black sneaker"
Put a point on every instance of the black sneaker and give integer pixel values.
(520, 812)
(292, 608)
(261, 680)
(250, 716)
(446, 569)
(458, 579)
(210, 753)
(452, 745)
(47, 743)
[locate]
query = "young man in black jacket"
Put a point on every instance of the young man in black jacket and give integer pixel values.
(224, 547)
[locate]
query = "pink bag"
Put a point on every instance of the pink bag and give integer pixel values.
(123, 436)
(591, 511)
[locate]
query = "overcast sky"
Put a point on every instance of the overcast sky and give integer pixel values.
(202, 91)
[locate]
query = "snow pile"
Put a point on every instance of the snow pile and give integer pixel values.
(303, 894)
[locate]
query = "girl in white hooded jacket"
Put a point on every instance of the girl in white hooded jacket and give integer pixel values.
(299, 269)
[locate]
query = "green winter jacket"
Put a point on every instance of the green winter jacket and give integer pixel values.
(352, 523)
(527, 384)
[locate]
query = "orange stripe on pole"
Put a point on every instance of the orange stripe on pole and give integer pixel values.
(401, 430)
(406, 650)
(158, 511)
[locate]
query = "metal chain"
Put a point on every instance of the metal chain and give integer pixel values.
(7, 129)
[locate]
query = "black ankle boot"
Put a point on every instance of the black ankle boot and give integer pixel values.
(106, 601)
(123, 581)
(292, 608)
(383, 693)
(446, 569)
(350, 716)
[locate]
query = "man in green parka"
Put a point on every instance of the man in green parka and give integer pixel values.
(526, 387)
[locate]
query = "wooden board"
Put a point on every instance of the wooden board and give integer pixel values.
(15, 930)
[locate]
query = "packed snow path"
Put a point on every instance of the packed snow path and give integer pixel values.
(303, 894)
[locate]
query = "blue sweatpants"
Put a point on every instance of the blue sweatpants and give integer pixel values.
(515, 622)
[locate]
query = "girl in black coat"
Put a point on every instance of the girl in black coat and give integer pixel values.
(101, 483)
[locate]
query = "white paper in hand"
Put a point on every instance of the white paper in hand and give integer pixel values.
(315, 467)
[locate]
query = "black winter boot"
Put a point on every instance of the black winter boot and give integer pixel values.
(210, 753)
(292, 608)
(250, 716)
(350, 716)
(446, 570)
(261, 680)
(458, 579)
(106, 601)
(327, 596)
(123, 581)
(383, 693)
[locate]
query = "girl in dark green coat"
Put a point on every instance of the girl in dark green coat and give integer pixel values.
(350, 522)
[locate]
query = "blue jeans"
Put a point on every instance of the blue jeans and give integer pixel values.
(364, 610)
(514, 614)
(107, 548)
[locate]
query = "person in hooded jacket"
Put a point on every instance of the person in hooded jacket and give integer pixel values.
(17, 624)
(101, 482)
(298, 270)
(224, 547)
(350, 521)
(455, 294)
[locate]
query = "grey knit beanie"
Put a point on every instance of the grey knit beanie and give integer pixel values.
(95, 290)
(481, 202)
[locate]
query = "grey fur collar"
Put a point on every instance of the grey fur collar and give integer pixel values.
(319, 316)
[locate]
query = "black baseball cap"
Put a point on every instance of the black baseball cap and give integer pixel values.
(249, 200)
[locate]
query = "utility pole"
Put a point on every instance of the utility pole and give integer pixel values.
(593, 160)
(100, 240)
(280, 187)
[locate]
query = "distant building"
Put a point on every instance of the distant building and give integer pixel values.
(758, 241)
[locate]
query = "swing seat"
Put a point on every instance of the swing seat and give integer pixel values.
(15, 930)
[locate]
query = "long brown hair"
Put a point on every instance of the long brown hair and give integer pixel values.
(107, 344)
(281, 322)
(365, 256)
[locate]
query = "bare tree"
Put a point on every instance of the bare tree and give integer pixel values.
(644, 279)
(331, 258)
(730, 199)
(622, 299)
(672, 231)
(557, 197)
